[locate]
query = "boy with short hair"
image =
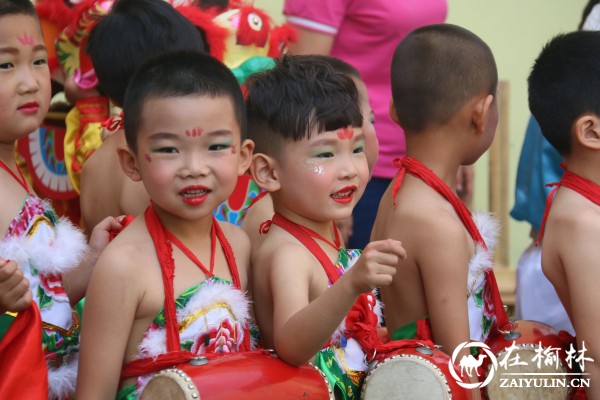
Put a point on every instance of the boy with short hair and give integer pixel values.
(133, 32)
(306, 123)
(563, 98)
(444, 83)
(184, 122)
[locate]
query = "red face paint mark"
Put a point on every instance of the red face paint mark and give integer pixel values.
(345, 133)
(193, 132)
(147, 158)
(233, 149)
(25, 39)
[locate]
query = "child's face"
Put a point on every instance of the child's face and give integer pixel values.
(189, 154)
(24, 77)
(323, 177)
(368, 128)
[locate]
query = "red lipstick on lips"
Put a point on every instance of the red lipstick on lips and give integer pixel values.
(194, 195)
(30, 108)
(344, 195)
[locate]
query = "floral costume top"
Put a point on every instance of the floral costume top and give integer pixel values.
(344, 358)
(212, 316)
(46, 248)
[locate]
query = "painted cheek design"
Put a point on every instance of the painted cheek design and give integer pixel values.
(315, 168)
(345, 133)
(193, 132)
(147, 157)
(25, 39)
(234, 149)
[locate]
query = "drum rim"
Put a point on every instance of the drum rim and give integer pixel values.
(326, 380)
(440, 373)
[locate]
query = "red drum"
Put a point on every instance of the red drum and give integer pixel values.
(248, 376)
(420, 373)
(531, 363)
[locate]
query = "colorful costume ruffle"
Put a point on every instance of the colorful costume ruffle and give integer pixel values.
(46, 248)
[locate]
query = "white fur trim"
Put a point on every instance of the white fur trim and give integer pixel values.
(482, 260)
(61, 381)
(154, 342)
(56, 256)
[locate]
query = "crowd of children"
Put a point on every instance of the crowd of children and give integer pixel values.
(176, 282)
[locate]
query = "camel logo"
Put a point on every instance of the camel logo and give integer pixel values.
(469, 365)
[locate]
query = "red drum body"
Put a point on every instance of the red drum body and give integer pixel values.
(238, 376)
(520, 356)
(420, 373)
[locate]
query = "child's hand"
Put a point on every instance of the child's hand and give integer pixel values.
(15, 295)
(100, 236)
(376, 266)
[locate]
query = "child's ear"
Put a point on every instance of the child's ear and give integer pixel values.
(263, 169)
(246, 149)
(393, 113)
(587, 131)
(128, 162)
(481, 112)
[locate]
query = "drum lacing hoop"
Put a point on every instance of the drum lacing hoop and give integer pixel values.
(511, 333)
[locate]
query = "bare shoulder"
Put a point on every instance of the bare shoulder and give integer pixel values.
(577, 234)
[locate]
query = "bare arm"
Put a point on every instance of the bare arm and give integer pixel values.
(110, 308)
(581, 268)
(302, 327)
(76, 280)
(311, 42)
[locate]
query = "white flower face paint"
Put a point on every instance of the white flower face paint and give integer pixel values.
(315, 167)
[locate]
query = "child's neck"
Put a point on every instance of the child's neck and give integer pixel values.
(444, 167)
(7, 153)
(185, 229)
(585, 166)
(322, 228)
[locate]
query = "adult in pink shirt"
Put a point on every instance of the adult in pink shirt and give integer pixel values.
(365, 35)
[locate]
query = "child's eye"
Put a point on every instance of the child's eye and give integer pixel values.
(167, 150)
(219, 146)
(359, 149)
(326, 154)
(6, 65)
(41, 61)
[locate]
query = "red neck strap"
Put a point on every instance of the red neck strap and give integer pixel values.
(301, 233)
(583, 186)
(418, 170)
(162, 239)
(20, 179)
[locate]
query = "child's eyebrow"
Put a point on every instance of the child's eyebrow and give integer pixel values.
(220, 132)
(14, 50)
(162, 135)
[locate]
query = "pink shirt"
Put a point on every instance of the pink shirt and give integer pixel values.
(366, 35)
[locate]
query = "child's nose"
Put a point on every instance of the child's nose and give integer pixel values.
(29, 81)
(195, 165)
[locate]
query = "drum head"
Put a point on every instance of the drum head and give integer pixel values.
(504, 387)
(407, 377)
(171, 384)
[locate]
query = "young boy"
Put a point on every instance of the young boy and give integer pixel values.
(444, 82)
(563, 98)
(184, 124)
(306, 123)
(262, 209)
(50, 261)
(133, 32)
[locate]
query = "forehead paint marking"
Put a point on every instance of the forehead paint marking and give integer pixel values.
(193, 132)
(25, 39)
(234, 149)
(345, 133)
(147, 157)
